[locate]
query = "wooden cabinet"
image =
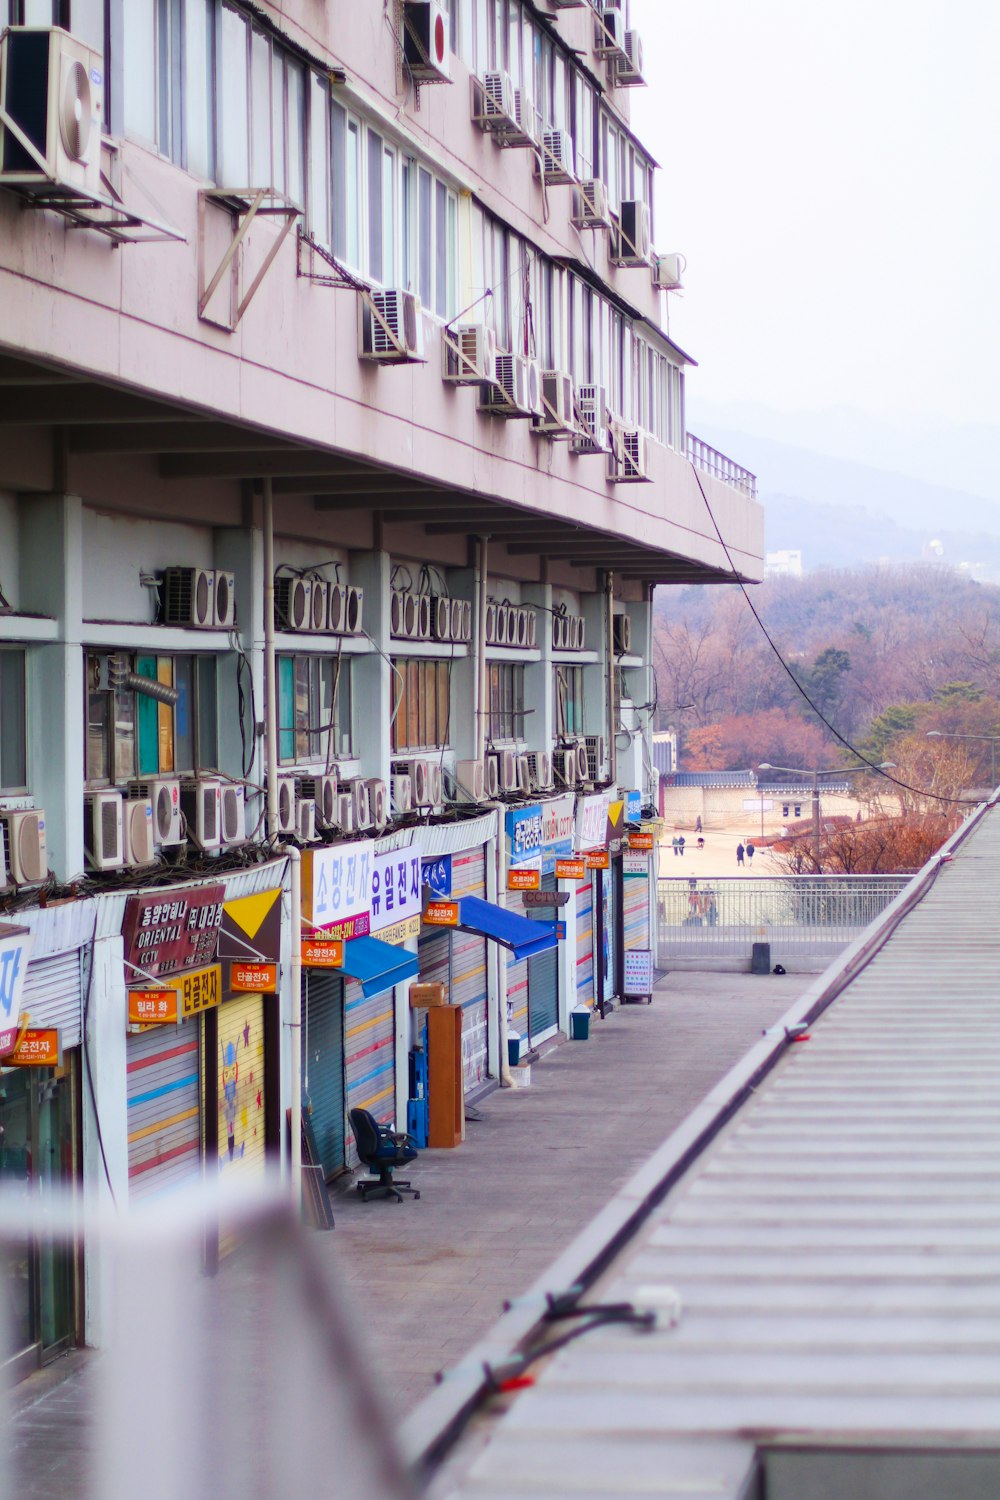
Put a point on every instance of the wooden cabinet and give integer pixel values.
(445, 1090)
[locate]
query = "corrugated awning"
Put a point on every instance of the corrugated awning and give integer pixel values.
(377, 966)
(523, 938)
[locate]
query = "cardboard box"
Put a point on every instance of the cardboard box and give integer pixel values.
(426, 995)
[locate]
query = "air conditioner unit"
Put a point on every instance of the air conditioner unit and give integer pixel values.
(470, 354)
(200, 806)
(378, 802)
(322, 791)
(622, 635)
(292, 602)
(418, 774)
(491, 776)
(305, 820)
(524, 131)
(566, 766)
(319, 605)
(138, 847)
(164, 796)
(390, 327)
(628, 462)
(103, 832)
(591, 209)
(461, 620)
(441, 618)
(493, 102)
(52, 95)
(539, 770)
(508, 771)
(517, 391)
(188, 597)
(286, 806)
(26, 857)
(609, 33)
(592, 419)
(361, 815)
(426, 47)
(559, 629)
(556, 157)
(582, 761)
(470, 781)
(225, 599)
(355, 610)
(401, 790)
(437, 783)
(596, 757)
(630, 239)
(233, 813)
(628, 63)
(345, 812)
(558, 404)
(336, 609)
(523, 773)
(668, 271)
(423, 617)
(491, 622)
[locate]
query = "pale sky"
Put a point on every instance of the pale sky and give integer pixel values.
(832, 174)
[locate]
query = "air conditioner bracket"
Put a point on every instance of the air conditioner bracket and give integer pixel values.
(244, 204)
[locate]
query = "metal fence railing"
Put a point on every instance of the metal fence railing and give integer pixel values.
(704, 456)
(798, 915)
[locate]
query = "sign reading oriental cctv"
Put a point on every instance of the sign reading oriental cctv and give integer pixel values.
(169, 932)
(15, 949)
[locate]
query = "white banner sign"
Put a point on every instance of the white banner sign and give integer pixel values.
(15, 950)
(592, 819)
(341, 883)
(396, 887)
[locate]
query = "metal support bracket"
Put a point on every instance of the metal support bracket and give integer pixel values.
(244, 204)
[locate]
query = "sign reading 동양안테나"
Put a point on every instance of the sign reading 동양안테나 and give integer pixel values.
(172, 931)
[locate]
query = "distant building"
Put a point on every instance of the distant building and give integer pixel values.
(784, 564)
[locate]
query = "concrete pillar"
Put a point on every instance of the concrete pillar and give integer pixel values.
(375, 686)
(105, 1152)
(462, 734)
(539, 726)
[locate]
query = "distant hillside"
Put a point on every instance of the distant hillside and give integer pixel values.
(849, 536)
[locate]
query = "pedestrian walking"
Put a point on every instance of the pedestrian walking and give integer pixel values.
(680, 846)
(697, 825)
(750, 851)
(673, 843)
(739, 854)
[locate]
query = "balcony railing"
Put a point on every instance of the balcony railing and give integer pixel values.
(713, 462)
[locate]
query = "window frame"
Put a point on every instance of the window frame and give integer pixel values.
(505, 720)
(135, 718)
(326, 679)
(421, 718)
(14, 788)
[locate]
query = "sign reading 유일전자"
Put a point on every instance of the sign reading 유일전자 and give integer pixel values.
(441, 914)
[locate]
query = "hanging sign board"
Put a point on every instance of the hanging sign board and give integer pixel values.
(153, 1007)
(638, 971)
(323, 953)
(253, 979)
(37, 1047)
(640, 841)
(524, 880)
(441, 914)
(436, 874)
(337, 889)
(635, 864)
(571, 869)
(164, 934)
(597, 859)
(397, 887)
(546, 898)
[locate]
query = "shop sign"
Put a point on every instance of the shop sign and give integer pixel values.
(571, 869)
(323, 953)
(436, 874)
(638, 971)
(200, 991)
(633, 807)
(546, 898)
(592, 819)
(251, 928)
(37, 1047)
(524, 836)
(164, 934)
(524, 880)
(399, 932)
(397, 888)
(153, 1007)
(597, 859)
(557, 830)
(635, 864)
(640, 840)
(8, 1037)
(337, 888)
(253, 979)
(15, 950)
(616, 825)
(441, 914)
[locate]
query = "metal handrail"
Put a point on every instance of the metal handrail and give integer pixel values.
(704, 456)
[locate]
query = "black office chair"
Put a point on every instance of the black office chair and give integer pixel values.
(381, 1149)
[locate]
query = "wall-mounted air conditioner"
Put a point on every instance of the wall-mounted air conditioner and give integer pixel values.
(103, 837)
(225, 599)
(491, 775)
(355, 611)
(426, 45)
(345, 813)
(668, 271)
(597, 757)
(622, 635)
(418, 772)
(322, 791)
(305, 820)
(404, 614)
(568, 632)
(470, 781)
(233, 814)
(52, 95)
(525, 129)
(336, 609)
(628, 461)
(565, 766)
(470, 354)
(390, 327)
(508, 771)
(292, 602)
(592, 419)
(539, 770)
(558, 404)
(493, 102)
(441, 629)
(523, 773)
(401, 792)
(188, 597)
(461, 621)
(164, 795)
(609, 33)
(319, 605)
(201, 808)
(555, 160)
(378, 802)
(286, 806)
(361, 815)
(437, 783)
(582, 761)
(25, 851)
(591, 209)
(517, 391)
(423, 617)
(138, 847)
(628, 63)
(630, 238)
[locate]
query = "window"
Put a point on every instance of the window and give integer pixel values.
(133, 736)
(261, 110)
(568, 696)
(314, 709)
(168, 67)
(423, 704)
(13, 754)
(506, 701)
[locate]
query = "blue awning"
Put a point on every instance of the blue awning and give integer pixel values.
(377, 966)
(522, 937)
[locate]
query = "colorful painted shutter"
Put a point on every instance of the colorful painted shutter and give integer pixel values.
(369, 1057)
(585, 943)
(323, 1066)
(468, 970)
(636, 908)
(241, 1087)
(543, 985)
(163, 1068)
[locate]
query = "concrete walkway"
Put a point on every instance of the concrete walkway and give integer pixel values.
(536, 1167)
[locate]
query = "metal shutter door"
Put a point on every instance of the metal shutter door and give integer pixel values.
(241, 1087)
(163, 1072)
(323, 1067)
(585, 943)
(468, 969)
(636, 908)
(517, 977)
(369, 1057)
(543, 985)
(53, 995)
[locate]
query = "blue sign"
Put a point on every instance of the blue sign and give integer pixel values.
(436, 874)
(524, 833)
(633, 807)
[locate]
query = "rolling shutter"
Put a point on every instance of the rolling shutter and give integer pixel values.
(369, 1057)
(468, 969)
(543, 985)
(241, 1087)
(163, 1069)
(636, 909)
(323, 1091)
(585, 943)
(53, 995)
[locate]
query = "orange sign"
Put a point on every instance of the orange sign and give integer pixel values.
(253, 979)
(37, 1047)
(153, 1007)
(323, 953)
(597, 859)
(524, 880)
(571, 869)
(640, 841)
(441, 914)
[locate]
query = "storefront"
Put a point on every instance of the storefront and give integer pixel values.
(594, 903)
(535, 837)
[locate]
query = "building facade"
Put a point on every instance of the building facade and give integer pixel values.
(341, 448)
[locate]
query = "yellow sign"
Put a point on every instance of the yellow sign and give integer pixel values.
(524, 880)
(323, 953)
(400, 931)
(200, 991)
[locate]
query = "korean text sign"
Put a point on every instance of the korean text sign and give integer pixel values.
(397, 888)
(337, 888)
